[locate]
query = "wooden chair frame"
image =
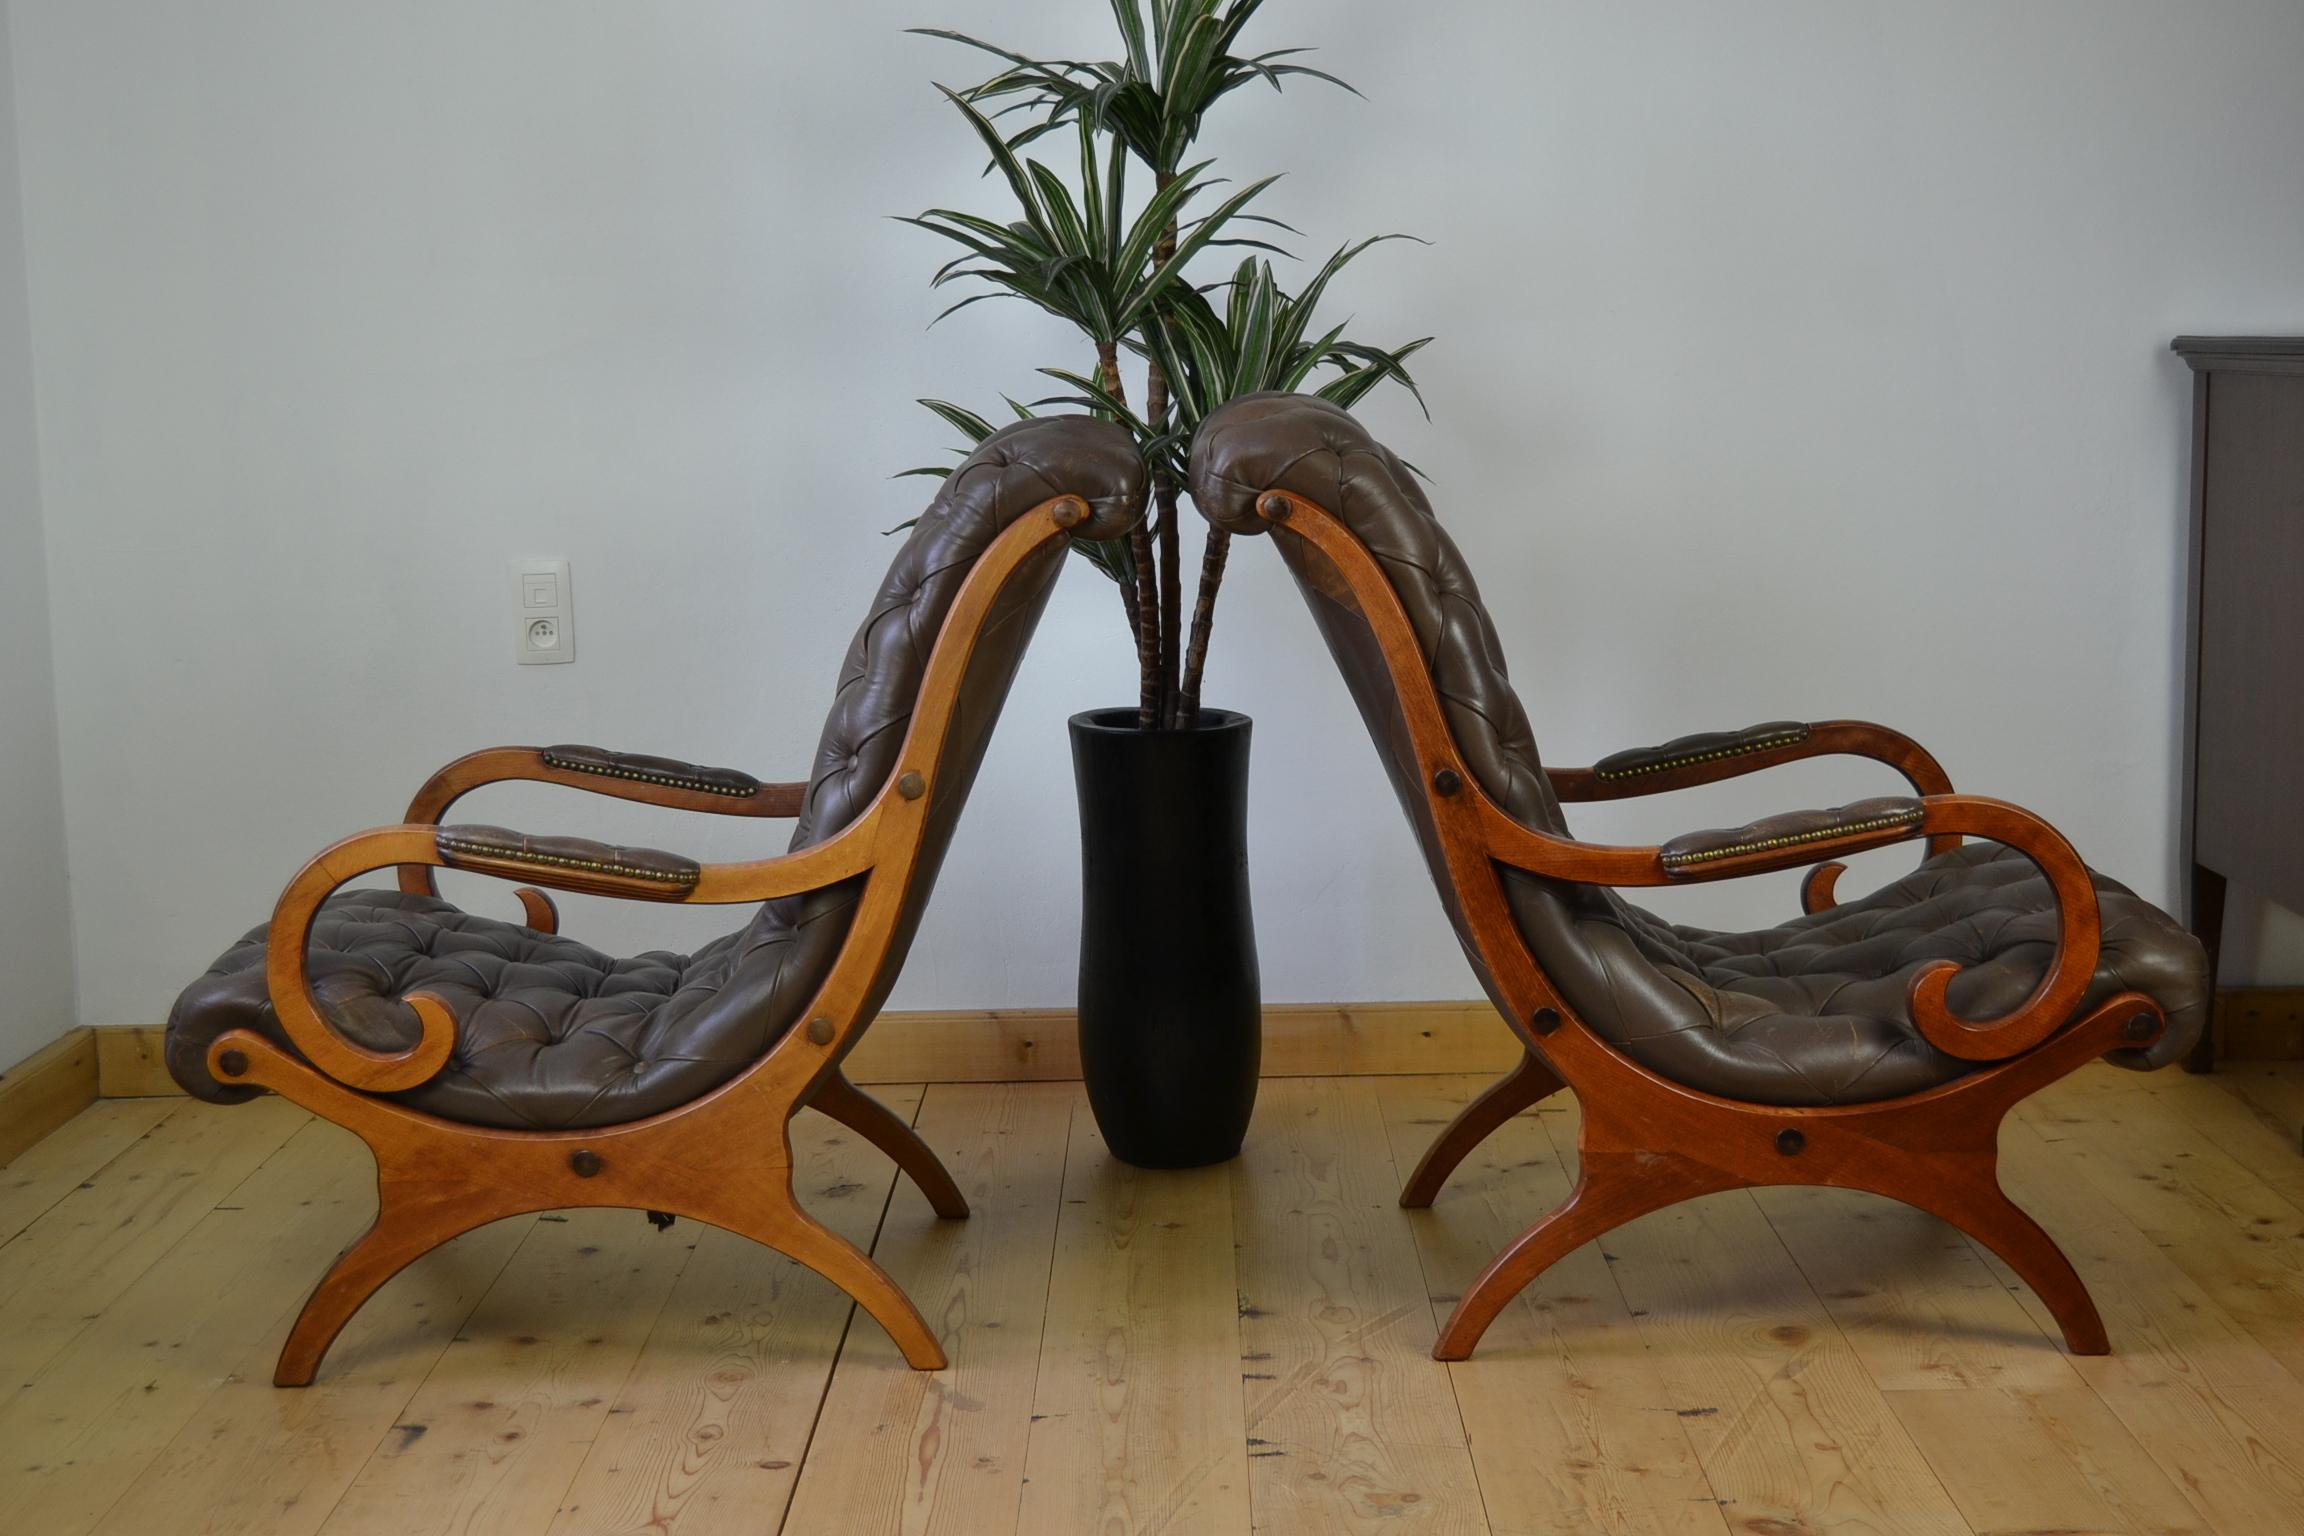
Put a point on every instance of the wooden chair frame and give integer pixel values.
(725, 1157)
(1648, 1142)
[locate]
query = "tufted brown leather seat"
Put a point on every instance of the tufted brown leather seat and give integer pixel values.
(1814, 1012)
(553, 1034)
(1818, 1010)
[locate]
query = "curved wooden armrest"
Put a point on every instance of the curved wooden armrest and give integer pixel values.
(1785, 842)
(1711, 756)
(623, 775)
(562, 863)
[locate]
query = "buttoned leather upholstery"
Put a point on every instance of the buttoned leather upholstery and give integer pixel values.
(1815, 1011)
(552, 1033)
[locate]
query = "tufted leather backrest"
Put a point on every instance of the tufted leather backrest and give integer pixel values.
(1012, 471)
(1316, 450)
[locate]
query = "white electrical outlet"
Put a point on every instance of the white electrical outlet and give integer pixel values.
(544, 630)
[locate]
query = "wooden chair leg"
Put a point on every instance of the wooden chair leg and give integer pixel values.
(793, 1231)
(1611, 1189)
(1527, 1083)
(852, 1107)
(397, 1238)
(2000, 1224)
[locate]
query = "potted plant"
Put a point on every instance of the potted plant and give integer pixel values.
(1170, 1012)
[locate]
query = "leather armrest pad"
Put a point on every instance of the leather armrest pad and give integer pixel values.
(1705, 747)
(664, 771)
(569, 863)
(1844, 829)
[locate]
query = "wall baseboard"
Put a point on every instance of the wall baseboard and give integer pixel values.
(1041, 1045)
(46, 1089)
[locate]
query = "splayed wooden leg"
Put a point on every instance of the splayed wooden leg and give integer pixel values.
(1527, 1083)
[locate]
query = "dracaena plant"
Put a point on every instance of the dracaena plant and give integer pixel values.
(1074, 249)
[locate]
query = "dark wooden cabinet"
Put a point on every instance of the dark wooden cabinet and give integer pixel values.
(2244, 712)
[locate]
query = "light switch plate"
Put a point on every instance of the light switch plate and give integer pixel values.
(544, 622)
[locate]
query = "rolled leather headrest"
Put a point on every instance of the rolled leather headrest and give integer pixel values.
(1026, 462)
(1276, 441)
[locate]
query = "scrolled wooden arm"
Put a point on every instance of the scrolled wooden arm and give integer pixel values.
(622, 775)
(568, 864)
(1788, 842)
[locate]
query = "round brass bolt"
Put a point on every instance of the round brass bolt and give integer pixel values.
(232, 1063)
(1447, 781)
(1545, 1020)
(585, 1162)
(1272, 507)
(819, 1031)
(1070, 512)
(2139, 1027)
(1790, 1142)
(911, 786)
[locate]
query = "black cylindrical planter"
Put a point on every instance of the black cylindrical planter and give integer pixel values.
(1171, 1018)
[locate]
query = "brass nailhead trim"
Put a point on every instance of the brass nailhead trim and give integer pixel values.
(669, 781)
(1795, 839)
(1739, 749)
(452, 848)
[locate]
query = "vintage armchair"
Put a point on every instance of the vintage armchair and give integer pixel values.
(1874, 1044)
(496, 1068)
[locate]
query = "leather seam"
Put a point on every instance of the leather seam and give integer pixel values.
(1689, 760)
(1792, 839)
(669, 781)
(455, 847)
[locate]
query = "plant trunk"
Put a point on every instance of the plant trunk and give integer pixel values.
(1203, 619)
(1144, 609)
(1164, 491)
(1171, 598)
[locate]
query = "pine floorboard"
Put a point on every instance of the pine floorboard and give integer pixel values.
(1231, 1350)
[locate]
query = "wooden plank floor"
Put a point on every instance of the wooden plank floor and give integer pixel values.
(1232, 1350)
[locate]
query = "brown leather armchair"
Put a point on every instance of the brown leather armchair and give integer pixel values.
(496, 1067)
(1874, 1044)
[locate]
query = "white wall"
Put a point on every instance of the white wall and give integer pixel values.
(1795, 360)
(35, 894)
